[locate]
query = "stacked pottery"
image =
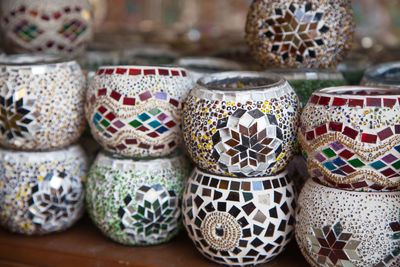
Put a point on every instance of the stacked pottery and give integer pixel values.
(240, 130)
(135, 185)
(349, 212)
(42, 114)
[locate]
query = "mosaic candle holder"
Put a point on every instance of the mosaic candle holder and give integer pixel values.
(387, 75)
(136, 111)
(50, 26)
(343, 228)
(41, 102)
(137, 202)
(41, 192)
(350, 137)
(306, 81)
(239, 222)
(297, 33)
(241, 123)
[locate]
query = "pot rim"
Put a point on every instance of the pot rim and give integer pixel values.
(196, 63)
(32, 60)
(345, 91)
(308, 74)
(169, 67)
(374, 74)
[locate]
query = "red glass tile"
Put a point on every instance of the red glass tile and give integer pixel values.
(183, 73)
(149, 72)
(321, 130)
(45, 17)
(57, 15)
(388, 172)
(332, 183)
(391, 188)
(324, 100)
(339, 245)
(385, 133)
(376, 187)
(359, 184)
(337, 101)
(111, 129)
(143, 128)
(310, 135)
(100, 71)
(389, 102)
(397, 129)
(109, 71)
(158, 147)
(92, 99)
(131, 141)
(120, 147)
(22, 9)
(172, 144)
(350, 132)
(343, 186)
(324, 251)
(115, 95)
(50, 44)
(153, 134)
(110, 116)
(67, 9)
(174, 73)
(347, 169)
(145, 146)
(102, 109)
(170, 124)
(163, 71)
(129, 101)
(174, 102)
(120, 71)
(346, 154)
(356, 102)
(102, 92)
(335, 126)
(374, 102)
(144, 96)
(314, 99)
(303, 130)
(135, 71)
(368, 138)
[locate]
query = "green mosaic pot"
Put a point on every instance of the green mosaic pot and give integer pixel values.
(137, 202)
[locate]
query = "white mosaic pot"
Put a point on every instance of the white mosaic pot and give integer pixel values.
(347, 228)
(41, 102)
(387, 75)
(239, 221)
(41, 192)
(136, 111)
(136, 202)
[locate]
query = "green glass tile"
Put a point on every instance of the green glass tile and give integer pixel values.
(154, 111)
(141, 210)
(147, 204)
(164, 226)
(154, 124)
(143, 117)
(137, 217)
(247, 196)
(396, 165)
(135, 123)
(168, 220)
(138, 224)
(156, 204)
(105, 123)
(329, 152)
(356, 163)
(140, 230)
(165, 205)
(168, 211)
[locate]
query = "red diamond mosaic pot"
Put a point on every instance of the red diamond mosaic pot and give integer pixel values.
(136, 111)
(348, 228)
(350, 137)
(387, 75)
(41, 102)
(298, 33)
(49, 26)
(239, 222)
(42, 192)
(241, 123)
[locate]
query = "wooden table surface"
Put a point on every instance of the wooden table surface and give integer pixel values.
(84, 245)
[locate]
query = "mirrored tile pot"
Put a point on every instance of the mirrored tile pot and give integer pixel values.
(239, 222)
(136, 111)
(241, 123)
(137, 202)
(41, 102)
(348, 228)
(387, 75)
(350, 137)
(42, 192)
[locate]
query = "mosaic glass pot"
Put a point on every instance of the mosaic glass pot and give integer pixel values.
(136, 111)
(298, 33)
(387, 75)
(137, 202)
(343, 228)
(350, 137)
(241, 123)
(239, 222)
(41, 192)
(306, 81)
(50, 26)
(41, 102)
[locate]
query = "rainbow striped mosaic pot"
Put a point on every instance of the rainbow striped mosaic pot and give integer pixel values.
(42, 192)
(136, 111)
(241, 123)
(348, 228)
(239, 222)
(41, 102)
(350, 137)
(137, 202)
(49, 26)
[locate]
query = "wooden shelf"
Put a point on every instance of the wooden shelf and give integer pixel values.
(84, 245)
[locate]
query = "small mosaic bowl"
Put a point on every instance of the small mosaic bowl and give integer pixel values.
(387, 75)
(137, 202)
(136, 111)
(49, 26)
(307, 81)
(350, 137)
(241, 123)
(41, 102)
(239, 222)
(344, 228)
(297, 33)
(41, 192)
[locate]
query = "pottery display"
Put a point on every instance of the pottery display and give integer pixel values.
(50, 26)
(306, 81)
(386, 74)
(347, 228)
(241, 123)
(136, 110)
(41, 102)
(296, 33)
(200, 66)
(41, 192)
(350, 137)
(137, 202)
(239, 221)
